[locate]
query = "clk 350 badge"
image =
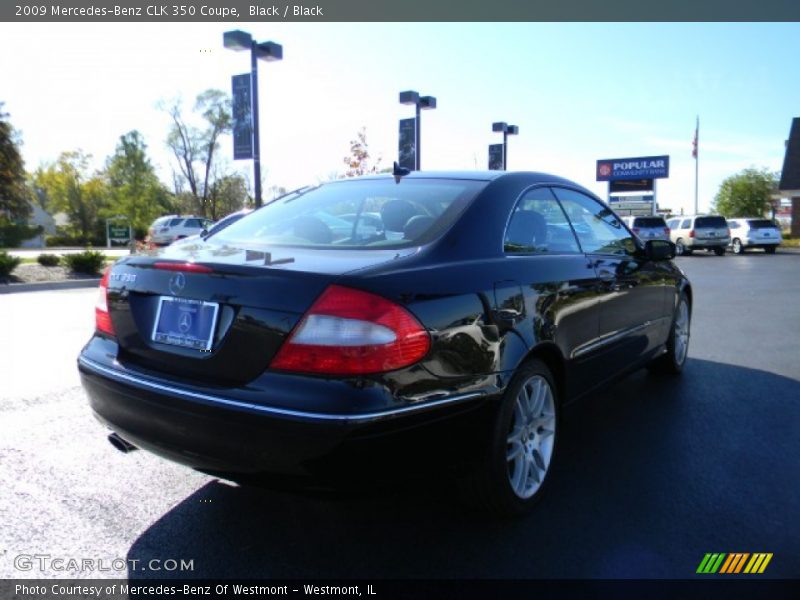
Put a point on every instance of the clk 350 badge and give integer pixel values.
(123, 277)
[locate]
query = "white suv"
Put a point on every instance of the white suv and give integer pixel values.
(754, 233)
(648, 228)
(166, 230)
(699, 232)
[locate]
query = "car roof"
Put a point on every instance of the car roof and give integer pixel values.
(478, 175)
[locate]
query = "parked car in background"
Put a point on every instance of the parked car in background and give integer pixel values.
(754, 233)
(446, 343)
(215, 227)
(169, 228)
(699, 232)
(648, 228)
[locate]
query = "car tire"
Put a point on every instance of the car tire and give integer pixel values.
(677, 346)
(719, 251)
(738, 247)
(770, 249)
(508, 480)
(680, 248)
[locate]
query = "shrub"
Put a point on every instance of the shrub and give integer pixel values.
(88, 261)
(13, 234)
(7, 264)
(48, 260)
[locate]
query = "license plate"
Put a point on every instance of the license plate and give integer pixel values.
(186, 323)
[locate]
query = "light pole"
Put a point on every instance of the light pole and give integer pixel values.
(421, 103)
(268, 51)
(507, 131)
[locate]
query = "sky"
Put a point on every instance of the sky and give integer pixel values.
(579, 92)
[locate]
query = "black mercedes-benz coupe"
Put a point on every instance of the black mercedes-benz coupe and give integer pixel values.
(442, 332)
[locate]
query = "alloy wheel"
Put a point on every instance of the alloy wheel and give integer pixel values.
(531, 436)
(681, 334)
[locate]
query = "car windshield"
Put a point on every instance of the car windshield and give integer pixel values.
(719, 222)
(649, 222)
(365, 213)
(761, 223)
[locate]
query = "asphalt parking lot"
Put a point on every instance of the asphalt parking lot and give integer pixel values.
(653, 473)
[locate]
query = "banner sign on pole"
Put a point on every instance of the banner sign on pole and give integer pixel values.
(495, 157)
(645, 167)
(242, 109)
(407, 147)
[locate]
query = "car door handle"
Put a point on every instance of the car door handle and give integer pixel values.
(610, 281)
(506, 317)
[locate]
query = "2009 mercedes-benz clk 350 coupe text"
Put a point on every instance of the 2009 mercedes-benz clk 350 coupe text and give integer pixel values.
(446, 328)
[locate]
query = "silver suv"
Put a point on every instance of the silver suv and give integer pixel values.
(648, 228)
(166, 230)
(699, 232)
(754, 233)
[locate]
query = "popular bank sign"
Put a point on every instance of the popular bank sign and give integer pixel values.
(644, 167)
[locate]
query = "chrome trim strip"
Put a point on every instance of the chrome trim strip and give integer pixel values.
(610, 339)
(283, 412)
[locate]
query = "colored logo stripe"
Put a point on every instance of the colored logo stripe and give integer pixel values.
(710, 563)
(758, 563)
(734, 562)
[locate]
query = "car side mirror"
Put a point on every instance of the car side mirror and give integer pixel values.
(659, 250)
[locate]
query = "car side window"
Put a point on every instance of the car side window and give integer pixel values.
(733, 225)
(538, 225)
(175, 222)
(598, 229)
(687, 224)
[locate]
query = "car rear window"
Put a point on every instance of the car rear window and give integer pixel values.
(761, 223)
(710, 222)
(649, 222)
(412, 212)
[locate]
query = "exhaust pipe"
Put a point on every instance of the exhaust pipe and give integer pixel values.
(120, 444)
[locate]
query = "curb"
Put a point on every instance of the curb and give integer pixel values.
(70, 284)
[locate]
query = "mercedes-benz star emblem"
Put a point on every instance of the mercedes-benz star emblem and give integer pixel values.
(176, 283)
(185, 322)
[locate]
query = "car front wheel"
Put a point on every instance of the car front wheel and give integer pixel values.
(509, 479)
(678, 341)
(719, 251)
(770, 249)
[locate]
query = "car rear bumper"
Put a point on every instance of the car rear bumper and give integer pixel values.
(213, 433)
(709, 242)
(761, 242)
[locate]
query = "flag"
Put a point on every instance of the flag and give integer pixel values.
(694, 141)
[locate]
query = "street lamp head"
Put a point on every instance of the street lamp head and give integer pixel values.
(427, 102)
(269, 51)
(501, 127)
(512, 130)
(237, 40)
(409, 97)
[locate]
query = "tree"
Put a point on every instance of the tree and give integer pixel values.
(358, 161)
(70, 189)
(134, 188)
(196, 148)
(14, 192)
(746, 194)
(228, 194)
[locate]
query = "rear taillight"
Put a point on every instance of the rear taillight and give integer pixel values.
(636, 230)
(666, 231)
(102, 319)
(691, 233)
(350, 332)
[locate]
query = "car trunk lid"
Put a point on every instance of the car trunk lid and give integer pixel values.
(221, 317)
